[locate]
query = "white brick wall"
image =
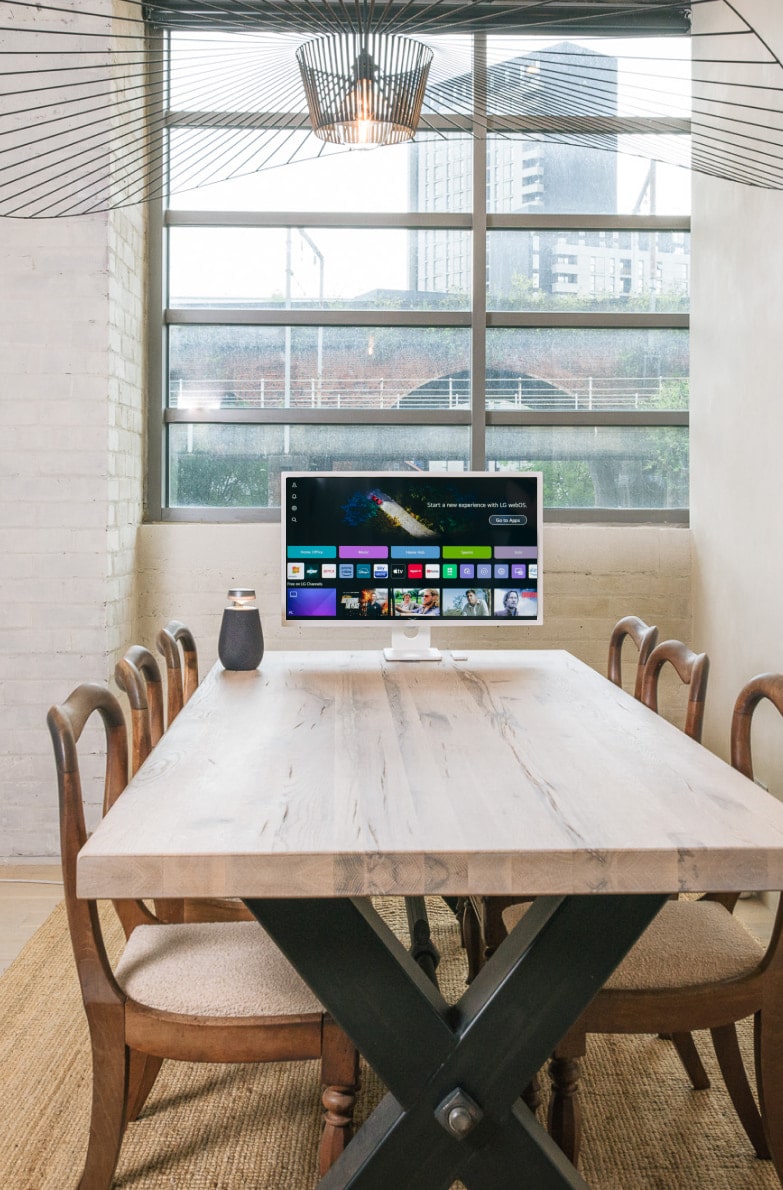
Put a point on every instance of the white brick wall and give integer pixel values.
(52, 531)
(71, 423)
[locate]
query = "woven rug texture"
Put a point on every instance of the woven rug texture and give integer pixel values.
(210, 1127)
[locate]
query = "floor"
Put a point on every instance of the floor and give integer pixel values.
(29, 892)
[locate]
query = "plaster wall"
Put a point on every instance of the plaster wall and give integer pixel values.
(736, 435)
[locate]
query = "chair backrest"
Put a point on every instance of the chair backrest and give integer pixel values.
(691, 668)
(66, 723)
(763, 686)
(644, 636)
(138, 674)
(176, 644)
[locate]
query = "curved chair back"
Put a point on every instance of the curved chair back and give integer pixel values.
(644, 636)
(691, 668)
(769, 686)
(66, 724)
(176, 644)
(764, 686)
(138, 675)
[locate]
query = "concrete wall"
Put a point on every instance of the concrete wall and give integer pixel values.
(593, 576)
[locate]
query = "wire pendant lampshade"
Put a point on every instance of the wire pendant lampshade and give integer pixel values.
(364, 89)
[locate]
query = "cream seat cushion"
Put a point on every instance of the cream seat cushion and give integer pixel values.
(212, 969)
(688, 943)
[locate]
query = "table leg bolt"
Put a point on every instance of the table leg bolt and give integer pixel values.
(458, 1114)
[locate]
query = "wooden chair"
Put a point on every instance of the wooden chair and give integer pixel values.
(696, 967)
(178, 648)
(194, 993)
(693, 671)
(138, 675)
(644, 636)
(691, 668)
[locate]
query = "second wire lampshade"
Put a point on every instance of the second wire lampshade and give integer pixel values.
(364, 89)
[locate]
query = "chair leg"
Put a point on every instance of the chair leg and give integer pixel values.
(692, 1064)
(532, 1094)
(735, 1077)
(471, 939)
(565, 1118)
(142, 1074)
(492, 926)
(170, 911)
(769, 1077)
(457, 905)
(110, 1070)
(340, 1079)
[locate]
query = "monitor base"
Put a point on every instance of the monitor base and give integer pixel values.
(411, 643)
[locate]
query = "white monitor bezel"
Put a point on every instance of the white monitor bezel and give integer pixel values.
(440, 622)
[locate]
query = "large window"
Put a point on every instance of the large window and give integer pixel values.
(510, 300)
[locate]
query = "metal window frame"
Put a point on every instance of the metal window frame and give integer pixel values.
(478, 320)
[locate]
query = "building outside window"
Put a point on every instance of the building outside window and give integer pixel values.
(383, 310)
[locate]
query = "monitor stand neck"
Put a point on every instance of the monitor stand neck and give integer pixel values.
(411, 642)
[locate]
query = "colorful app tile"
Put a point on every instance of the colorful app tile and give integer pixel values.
(320, 602)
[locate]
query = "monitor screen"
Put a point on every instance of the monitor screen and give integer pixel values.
(416, 547)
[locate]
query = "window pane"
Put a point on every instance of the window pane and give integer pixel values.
(234, 72)
(569, 369)
(239, 140)
(588, 270)
(239, 466)
(310, 268)
(258, 367)
(277, 170)
(598, 466)
(598, 174)
(589, 76)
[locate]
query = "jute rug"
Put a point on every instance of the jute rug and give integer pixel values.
(232, 1128)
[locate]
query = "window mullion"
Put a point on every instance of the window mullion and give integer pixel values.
(478, 352)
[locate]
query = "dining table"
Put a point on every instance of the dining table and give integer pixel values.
(324, 779)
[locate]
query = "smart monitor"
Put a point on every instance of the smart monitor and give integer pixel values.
(412, 549)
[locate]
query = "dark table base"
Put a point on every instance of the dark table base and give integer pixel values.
(455, 1073)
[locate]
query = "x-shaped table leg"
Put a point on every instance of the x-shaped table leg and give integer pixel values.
(455, 1073)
